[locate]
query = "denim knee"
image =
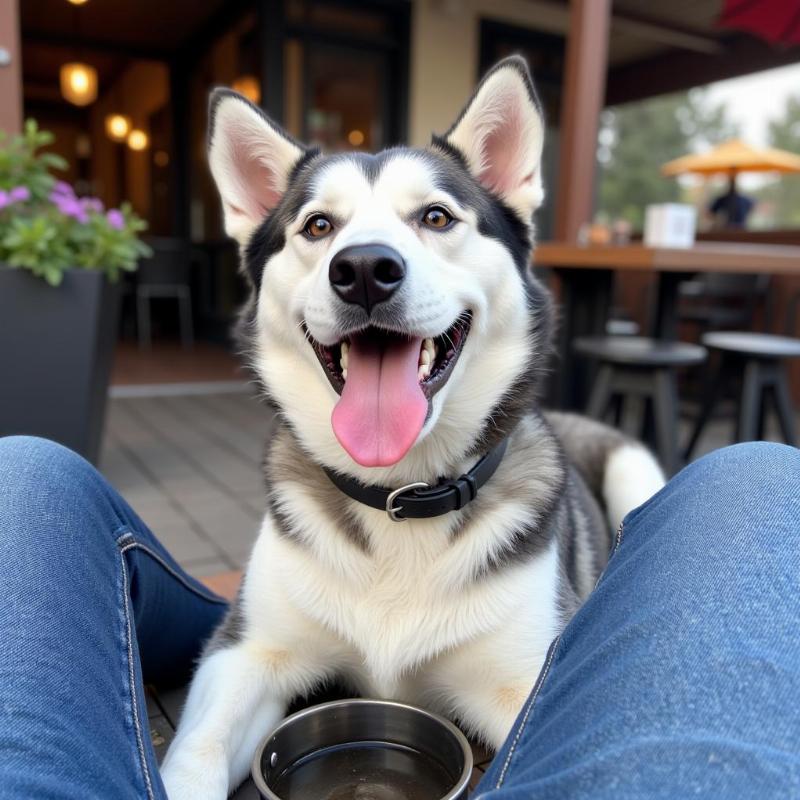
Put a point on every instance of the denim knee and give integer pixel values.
(49, 495)
(38, 470)
(727, 493)
(759, 471)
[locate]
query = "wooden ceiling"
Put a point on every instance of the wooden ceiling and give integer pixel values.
(107, 34)
(155, 28)
(655, 46)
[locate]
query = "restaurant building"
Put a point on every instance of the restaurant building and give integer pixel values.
(339, 73)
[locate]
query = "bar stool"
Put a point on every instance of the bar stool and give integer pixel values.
(637, 371)
(758, 362)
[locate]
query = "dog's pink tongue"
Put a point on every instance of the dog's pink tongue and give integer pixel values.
(382, 408)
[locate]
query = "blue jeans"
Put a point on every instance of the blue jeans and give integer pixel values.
(680, 675)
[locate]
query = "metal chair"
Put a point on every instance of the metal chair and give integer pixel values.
(636, 373)
(165, 274)
(757, 361)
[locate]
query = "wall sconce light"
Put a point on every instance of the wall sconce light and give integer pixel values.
(78, 83)
(138, 140)
(118, 126)
(249, 86)
(356, 137)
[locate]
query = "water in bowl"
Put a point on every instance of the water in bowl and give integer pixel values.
(364, 771)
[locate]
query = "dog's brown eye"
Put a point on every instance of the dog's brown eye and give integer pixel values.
(437, 217)
(318, 226)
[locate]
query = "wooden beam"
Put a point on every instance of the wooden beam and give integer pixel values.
(670, 35)
(675, 71)
(75, 43)
(584, 87)
(10, 68)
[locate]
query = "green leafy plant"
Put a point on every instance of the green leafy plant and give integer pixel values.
(47, 229)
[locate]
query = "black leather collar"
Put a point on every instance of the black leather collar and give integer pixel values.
(419, 500)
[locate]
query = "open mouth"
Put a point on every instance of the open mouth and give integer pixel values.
(386, 381)
(436, 359)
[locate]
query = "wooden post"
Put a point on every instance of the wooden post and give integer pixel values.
(181, 156)
(584, 88)
(10, 68)
(272, 35)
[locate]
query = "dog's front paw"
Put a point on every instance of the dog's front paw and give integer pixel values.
(195, 772)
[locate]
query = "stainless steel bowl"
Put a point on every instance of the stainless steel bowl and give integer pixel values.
(363, 750)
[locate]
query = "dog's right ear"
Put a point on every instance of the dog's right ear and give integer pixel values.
(251, 160)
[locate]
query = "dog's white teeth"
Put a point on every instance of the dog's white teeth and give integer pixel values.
(424, 371)
(344, 373)
(345, 355)
(427, 353)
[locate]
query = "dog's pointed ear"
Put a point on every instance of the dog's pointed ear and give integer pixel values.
(251, 160)
(500, 134)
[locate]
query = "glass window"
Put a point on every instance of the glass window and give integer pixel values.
(345, 89)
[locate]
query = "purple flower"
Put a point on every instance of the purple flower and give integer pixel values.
(115, 219)
(62, 189)
(70, 207)
(19, 194)
(5, 200)
(93, 204)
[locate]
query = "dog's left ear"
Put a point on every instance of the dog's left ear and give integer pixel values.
(500, 134)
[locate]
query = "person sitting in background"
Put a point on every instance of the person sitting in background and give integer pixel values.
(730, 210)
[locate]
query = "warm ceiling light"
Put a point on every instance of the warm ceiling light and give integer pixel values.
(77, 2)
(138, 140)
(355, 137)
(78, 83)
(118, 126)
(249, 86)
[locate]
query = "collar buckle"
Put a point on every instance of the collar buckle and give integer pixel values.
(391, 509)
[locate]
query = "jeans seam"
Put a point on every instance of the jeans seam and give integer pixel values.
(132, 681)
(528, 710)
(620, 532)
(125, 545)
(617, 543)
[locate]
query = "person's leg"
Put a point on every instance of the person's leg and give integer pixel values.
(83, 586)
(680, 675)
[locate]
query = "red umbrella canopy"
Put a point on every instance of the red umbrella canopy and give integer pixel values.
(777, 21)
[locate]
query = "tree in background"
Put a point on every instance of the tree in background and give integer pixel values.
(637, 138)
(783, 196)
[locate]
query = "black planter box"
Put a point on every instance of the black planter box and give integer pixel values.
(56, 347)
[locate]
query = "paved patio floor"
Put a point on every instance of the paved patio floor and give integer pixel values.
(190, 467)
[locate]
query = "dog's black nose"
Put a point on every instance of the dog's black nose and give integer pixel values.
(366, 274)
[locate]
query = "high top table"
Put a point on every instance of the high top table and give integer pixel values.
(587, 278)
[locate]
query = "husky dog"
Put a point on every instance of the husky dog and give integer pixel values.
(395, 325)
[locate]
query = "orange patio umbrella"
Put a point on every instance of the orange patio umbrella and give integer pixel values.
(732, 157)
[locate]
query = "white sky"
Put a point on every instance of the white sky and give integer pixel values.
(752, 101)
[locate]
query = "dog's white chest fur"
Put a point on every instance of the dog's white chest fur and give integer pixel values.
(405, 604)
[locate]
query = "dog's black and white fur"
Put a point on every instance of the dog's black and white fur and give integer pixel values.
(454, 613)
